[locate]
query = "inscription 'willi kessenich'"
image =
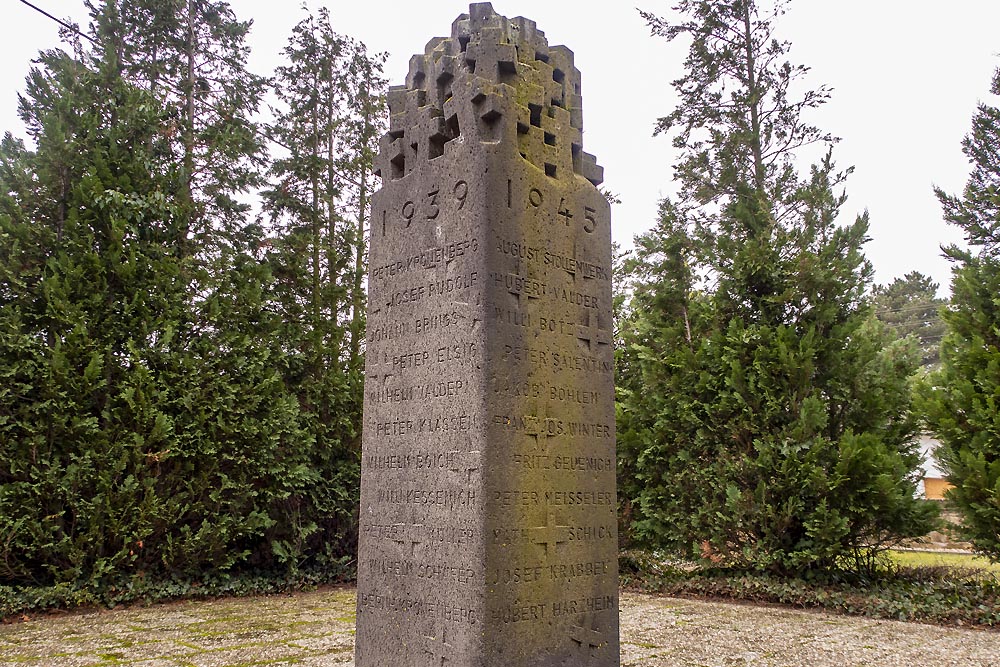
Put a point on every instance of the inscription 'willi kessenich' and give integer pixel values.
(488, 532)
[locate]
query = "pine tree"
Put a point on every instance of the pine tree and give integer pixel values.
(91, 292)
(771, 423)
(332, 97)
(146, 421)
(191, 55)
(911, 307)
(330, 115)
(962, 402)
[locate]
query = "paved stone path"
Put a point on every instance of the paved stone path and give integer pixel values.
(317, 629)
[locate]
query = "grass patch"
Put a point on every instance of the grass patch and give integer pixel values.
(16, 602)
(942, 594)
(939, 559)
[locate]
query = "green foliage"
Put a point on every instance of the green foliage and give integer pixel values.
(764, 413)
(911, 307)
(962, 400)
(331, 115)
(332, 109)
(157, 420)
(122, 590)
(944, 595)
(191, 56)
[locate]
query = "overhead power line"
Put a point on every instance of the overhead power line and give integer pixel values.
(59, 21)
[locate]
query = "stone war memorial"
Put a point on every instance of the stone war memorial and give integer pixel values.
(488, 533)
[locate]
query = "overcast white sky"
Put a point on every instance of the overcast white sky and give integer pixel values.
(907, 75)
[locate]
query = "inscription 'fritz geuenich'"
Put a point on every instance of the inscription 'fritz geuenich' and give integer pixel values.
(488, 534)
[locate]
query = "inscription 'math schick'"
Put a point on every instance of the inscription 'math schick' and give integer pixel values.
(488, 535)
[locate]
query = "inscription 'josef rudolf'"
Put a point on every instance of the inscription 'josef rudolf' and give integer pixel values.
(442, 287)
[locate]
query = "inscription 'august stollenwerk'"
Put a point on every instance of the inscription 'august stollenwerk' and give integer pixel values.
(544, 257)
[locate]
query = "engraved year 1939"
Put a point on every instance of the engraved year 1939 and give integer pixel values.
(428, 206)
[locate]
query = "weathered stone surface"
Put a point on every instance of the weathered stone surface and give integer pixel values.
(488, 531)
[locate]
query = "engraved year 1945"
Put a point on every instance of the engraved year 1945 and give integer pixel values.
(556, 207)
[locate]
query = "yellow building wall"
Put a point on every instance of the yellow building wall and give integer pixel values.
(934, 488)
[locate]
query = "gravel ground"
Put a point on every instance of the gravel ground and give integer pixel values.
(317, 629)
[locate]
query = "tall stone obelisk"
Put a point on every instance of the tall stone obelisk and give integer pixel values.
(487, 530)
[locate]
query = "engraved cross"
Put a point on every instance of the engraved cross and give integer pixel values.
(589, 639)
(537, 427)
(439, 648)
(592, 333)
(491, 59)
(391, 163)
(571, 272)
(404, 530)
(445, 69)
(466, 463)
(429, 135)
(425, 129)
(549, 534)
(525, 284)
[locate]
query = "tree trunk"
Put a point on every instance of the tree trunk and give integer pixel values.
(357, 301)
(753, 99)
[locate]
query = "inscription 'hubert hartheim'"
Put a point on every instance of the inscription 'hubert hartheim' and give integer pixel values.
(488, 535)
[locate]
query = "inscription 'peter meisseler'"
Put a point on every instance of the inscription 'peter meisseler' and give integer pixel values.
(553, 498)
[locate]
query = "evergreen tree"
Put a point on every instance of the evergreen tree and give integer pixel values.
(146, 421)
(770, 418)
(91, 292)
(191, 55)
(962, 402)
(910, 306)
(331, 94)
(332, 97)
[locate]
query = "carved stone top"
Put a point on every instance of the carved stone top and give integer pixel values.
(495, 80)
